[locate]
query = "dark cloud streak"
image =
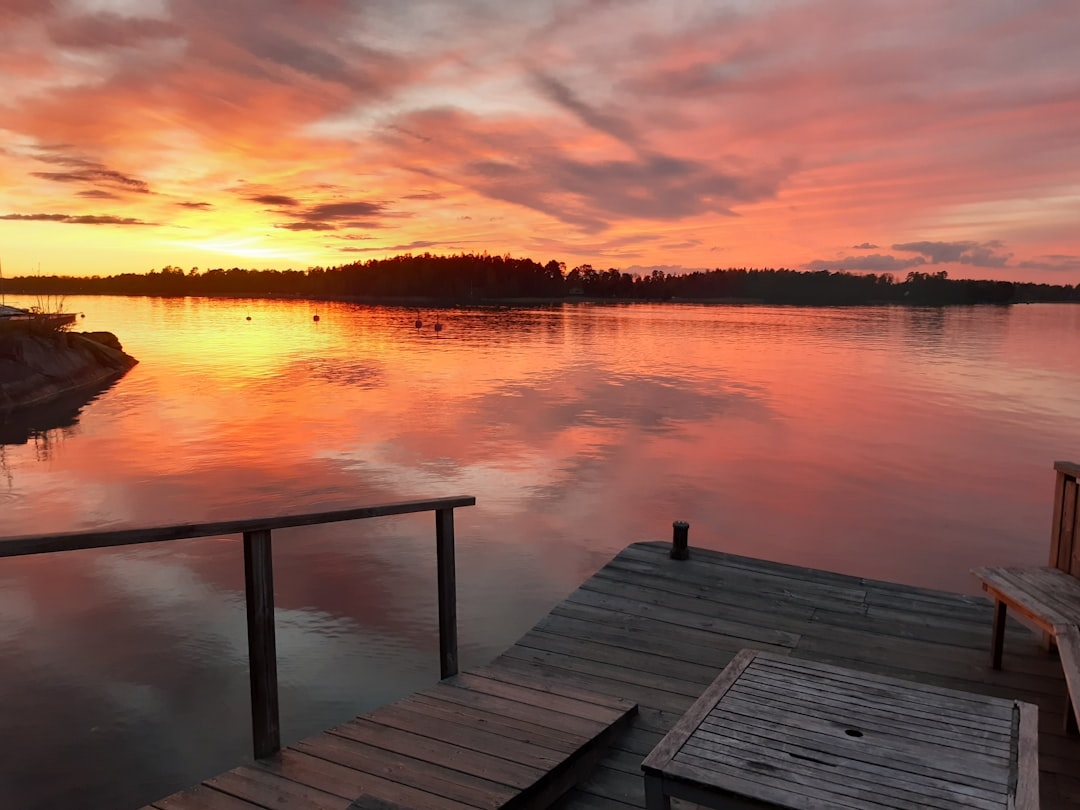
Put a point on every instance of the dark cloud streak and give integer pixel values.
(90, 172)
(561, 94)
(977, 254)
(75, 219)
(331, 216)
(874, 263)
(106, 30)
(279, 200)
(1054, 262)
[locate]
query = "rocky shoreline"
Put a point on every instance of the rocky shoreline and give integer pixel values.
(38, 366)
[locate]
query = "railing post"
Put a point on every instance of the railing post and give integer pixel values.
(444, 552)
(262, 649)
(680, 540)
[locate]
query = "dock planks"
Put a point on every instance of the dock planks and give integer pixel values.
(688, 619)
(485, 739)
(655, 632)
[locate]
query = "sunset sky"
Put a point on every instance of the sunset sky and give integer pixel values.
(879, 135)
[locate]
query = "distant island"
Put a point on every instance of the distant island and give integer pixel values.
(482, 278)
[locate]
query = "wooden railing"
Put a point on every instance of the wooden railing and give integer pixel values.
(259, 584)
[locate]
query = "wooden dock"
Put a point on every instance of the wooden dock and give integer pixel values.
(655, 632)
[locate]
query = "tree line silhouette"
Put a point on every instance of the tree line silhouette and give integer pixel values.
(478, 278)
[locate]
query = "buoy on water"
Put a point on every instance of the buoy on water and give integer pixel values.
(249, 317)
(315, 318)
(419, 321)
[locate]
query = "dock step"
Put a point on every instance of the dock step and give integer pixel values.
(487, 738)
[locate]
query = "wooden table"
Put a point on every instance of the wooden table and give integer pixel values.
(781, 732)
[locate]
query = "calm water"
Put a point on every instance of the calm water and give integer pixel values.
(901, 444)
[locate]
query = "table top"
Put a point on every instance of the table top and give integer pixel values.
(803, 735)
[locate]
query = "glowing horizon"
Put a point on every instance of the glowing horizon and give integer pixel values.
(683, 135)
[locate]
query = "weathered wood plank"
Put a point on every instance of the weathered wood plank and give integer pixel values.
(579, 625)
(853, 684)
(552, 686)
(330, 777)
(723, 586)
(747, 705)
(909, 789)
(744, 774)
(1058, 554)
(639, 602)
(545, 700)
(477, 763)
(413, 720)
(637, 632)
(515, 709)
(933, 713)
(500, 724)
(1027, 776)
(269, 790)
(202, 797)
(402, 769)
(620, 661)
(1068, 641)
(1070, 549)
(829, 748)
(608, 785)
(915, 659)
(580, 674)
(537, 650)
(798, 582)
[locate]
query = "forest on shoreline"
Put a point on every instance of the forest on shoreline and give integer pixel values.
(481, 278)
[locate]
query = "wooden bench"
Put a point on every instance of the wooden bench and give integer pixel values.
(1047, 597)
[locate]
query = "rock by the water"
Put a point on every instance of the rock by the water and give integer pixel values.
(104, 338)
(39, 365)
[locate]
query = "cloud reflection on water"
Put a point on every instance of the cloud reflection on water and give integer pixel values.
(907, 444)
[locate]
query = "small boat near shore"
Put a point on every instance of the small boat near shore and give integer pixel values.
(9, 314)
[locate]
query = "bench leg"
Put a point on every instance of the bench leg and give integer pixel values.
(1070, 716)
(1049, 644)
(998, 639)
(654, 794)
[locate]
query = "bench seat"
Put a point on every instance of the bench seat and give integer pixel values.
(1048, 598)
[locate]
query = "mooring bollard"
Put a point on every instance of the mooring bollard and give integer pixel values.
(680, 548)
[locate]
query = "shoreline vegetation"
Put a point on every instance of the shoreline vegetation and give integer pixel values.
(484, 279)
(41, 363)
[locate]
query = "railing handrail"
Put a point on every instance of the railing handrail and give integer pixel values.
(105, 538)
(259, 584)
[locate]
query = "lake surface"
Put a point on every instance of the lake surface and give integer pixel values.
(903, 444)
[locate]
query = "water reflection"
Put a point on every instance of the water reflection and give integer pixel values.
(898, 443)
(48, 422)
